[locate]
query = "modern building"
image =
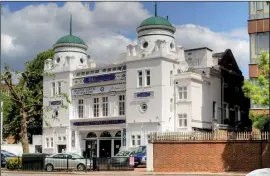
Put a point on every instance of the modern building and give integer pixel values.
(258, 29)
(156, 86)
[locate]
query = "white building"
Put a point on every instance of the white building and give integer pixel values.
(156, 87)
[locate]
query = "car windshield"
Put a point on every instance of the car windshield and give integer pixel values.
(8, 154)
(123, 153)
(76, 156)
(141, 149)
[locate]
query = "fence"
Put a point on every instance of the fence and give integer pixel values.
(48, 163)
(186, 136)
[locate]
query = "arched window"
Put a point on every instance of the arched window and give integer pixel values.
(118, 134)
(91, 135)
(105, 134)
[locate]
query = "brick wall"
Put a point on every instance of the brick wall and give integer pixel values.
(216, 156)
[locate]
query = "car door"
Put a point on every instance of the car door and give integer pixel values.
(72, 162)
(58, 161)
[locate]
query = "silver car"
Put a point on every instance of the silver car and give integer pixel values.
(67, 161)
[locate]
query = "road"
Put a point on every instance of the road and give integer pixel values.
(110, 174)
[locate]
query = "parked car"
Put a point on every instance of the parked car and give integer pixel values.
(5, 155)
(260, 172)
(67, 161)
(140, 156)
(122, 158)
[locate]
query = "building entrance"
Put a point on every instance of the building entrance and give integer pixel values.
(91, 148)
(105, 147)
(117, 145)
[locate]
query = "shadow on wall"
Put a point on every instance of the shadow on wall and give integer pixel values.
(246, 155)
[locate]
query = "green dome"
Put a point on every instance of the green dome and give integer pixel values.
(155, 20)
(70, 39)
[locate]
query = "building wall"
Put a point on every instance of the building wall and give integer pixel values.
(210, 156)
(258, 29)
(199, 58)
(63, 114)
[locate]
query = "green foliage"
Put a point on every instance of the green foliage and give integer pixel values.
(14, 163)
(258, 91)
(11, 111)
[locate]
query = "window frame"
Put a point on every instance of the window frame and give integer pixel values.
(80, 108)
(147, 77)
(105, 106)
(182, 92)
(183, 118)
(96, 107)
(139, 78)
(121, 105)
(53, 88)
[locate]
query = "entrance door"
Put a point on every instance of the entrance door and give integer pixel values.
(91, 148)
(61, 148)
(105, 147)
(117, 145)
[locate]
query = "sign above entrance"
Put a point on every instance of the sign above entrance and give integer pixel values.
(143, 94)
(106, 77)
(107, 122)
(98, 89)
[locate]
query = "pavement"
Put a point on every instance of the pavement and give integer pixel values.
(114, 173)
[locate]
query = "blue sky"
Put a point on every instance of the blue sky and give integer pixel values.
(232, 14)
(112, 26)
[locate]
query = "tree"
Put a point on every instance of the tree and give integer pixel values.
(11, 114)
(258, 91)
(28, 96)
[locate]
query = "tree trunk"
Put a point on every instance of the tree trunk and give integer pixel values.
(24, 134)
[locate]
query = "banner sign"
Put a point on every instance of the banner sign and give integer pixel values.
(106, 77)
(98, 89)
(108, 122)
(124, 137)
(143, 94)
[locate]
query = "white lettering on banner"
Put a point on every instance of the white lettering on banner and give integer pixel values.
(98, 89)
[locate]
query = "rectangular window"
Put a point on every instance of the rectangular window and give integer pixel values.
(149, 138)
(104, 106)
(182, 120)
(80, 108)
(73, 138)
(53, 88)
(48, 142)
(139, 78)
(171, 78)
(121, 104)
(51, 142)
(237, 113)
(214, 110)
(133, 140)
(171, 105)
(182, 93)
(96, 107)
(262, 42)
(138, 139)
(148, 81)
(224, 112)
(59, 87)
(259, 5)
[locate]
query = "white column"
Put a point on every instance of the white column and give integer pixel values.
(112, 148)
(69, 131)
(97, 147)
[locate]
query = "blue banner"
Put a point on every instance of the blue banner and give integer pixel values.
(143, 94)
(99, 78)
(108, 122)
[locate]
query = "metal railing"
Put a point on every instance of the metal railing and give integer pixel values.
(50, 164)
(188, 136)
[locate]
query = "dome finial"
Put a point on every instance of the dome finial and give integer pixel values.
(155, 8)
(70, 25)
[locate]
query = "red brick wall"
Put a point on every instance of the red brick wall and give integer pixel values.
(216, 156)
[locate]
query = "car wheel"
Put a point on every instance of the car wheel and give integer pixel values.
(49, 167)
(81, 167)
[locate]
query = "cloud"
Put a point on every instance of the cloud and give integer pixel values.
(193, 36)
(104, 27)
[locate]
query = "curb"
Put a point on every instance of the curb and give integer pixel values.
(128, 173)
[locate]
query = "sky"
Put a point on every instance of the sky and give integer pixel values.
(28, 28)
